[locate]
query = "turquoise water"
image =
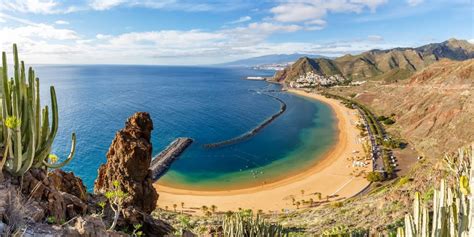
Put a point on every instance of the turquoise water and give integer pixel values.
(206, 104)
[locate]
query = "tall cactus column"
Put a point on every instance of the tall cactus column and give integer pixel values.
(26, 134)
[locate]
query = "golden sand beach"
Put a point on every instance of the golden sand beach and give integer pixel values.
(332, 176)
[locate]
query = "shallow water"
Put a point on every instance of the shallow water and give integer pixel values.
(206, 104)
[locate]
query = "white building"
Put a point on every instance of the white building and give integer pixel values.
(311, 79)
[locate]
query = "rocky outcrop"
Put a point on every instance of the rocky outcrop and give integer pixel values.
(67, 182)
(128, 162)
(38, 202)
(51, 201)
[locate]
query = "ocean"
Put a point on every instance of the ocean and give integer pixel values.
(205, 103)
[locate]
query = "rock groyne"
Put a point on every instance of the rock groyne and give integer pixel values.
(161, 162)
(254, 131)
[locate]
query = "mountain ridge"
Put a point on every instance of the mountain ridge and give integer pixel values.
(388, 64)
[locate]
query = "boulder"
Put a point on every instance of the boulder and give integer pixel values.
(128, 162)
(67, 182)
(50, 200)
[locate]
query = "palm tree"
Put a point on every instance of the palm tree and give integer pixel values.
(182, 205)
(311, 202)
(319, 196)
(175, 206)
(293, 200)
(166, 208)
(297, 204)
(260, 212)
(302, 192)
(213, 208)
(204, 209)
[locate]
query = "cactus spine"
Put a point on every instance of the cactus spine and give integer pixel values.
(26, 134)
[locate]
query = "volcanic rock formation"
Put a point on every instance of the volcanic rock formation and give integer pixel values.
(128, 162)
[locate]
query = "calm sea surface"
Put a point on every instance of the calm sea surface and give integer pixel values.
(206, 104)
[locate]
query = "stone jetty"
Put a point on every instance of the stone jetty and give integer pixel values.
(161, 162)
(253, 131)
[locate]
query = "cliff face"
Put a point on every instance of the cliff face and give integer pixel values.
(393, 64)
(128, 162)
(434, 109)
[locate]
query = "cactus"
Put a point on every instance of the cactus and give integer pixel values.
(453, 205)
(244, 224)
(25, 131)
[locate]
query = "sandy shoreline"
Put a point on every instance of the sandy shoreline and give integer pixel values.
(330, 176)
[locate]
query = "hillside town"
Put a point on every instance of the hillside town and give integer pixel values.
(311, 79)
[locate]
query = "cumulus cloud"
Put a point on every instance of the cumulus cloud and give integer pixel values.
(105, 4)
(241, 20)
(37, 6)
(61, 22)
(103, 36)
(313, 12)
(42, 43)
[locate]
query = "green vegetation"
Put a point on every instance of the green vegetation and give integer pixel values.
(245, 224)
(116, 198)
(403, 180)
(386, 120)
(375, 177)
(136, 230)
(26, 134)
(452, 204)
(344, 231)
(376, 128)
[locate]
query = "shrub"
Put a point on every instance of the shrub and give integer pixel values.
(375, 176)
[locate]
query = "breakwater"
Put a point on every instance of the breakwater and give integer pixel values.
(162, 162)
(252, 132)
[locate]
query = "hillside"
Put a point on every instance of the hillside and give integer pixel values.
(433, 109)
(383, 65)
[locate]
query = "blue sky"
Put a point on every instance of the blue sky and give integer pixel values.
(215, 31)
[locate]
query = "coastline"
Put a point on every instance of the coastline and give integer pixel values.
(330, 176)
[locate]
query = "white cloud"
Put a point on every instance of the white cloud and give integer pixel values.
(371, 4)
(2, 20)
(33, 6)
(375, 38)
(471, 41)
(40, 31)
(105, 4)
(103, 37)
(312, 12)
(61, 22)
(101, 5)
(414, 2)
(241, 20)
(39, 6)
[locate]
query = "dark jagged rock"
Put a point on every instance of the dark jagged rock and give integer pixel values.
(51, 201)
(67, 182)
(128, 162)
